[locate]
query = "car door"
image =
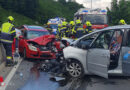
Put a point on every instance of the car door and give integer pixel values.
(22, 41)
(126, 54)
(98, 55)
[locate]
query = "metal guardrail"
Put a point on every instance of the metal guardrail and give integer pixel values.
(2, 54)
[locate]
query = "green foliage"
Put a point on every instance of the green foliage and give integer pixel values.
(19, 19)
(119, 11)
(39, 10)
(49, 9)
(25, 7)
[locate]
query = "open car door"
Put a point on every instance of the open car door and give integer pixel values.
(126, 54)
(126, 60)
(98, 55)
(98, 62)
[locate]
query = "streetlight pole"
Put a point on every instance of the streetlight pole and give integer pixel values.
(91, 4)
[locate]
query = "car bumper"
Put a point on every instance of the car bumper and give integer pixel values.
(41, 54)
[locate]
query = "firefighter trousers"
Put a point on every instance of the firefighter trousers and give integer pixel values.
(8, 50)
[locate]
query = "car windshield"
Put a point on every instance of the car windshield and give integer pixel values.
(34, 34)
(35, 27)
(95, 18)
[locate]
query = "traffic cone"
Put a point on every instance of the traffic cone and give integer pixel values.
(2, 81)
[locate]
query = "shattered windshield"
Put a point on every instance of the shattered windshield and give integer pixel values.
(34, 34)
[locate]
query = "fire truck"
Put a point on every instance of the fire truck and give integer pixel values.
(97, 17)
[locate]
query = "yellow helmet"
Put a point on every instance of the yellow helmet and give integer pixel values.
(88, 23)
(78, 21)
(10, 18)
(122, 21)
(72, 23)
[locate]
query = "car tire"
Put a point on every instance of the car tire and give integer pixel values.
(75, 69)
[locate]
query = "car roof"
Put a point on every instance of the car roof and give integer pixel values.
(109, 28)
(117, 27)
(34, 27)
(114, 28)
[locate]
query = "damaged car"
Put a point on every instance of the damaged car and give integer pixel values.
(102, 53)
(36, 42)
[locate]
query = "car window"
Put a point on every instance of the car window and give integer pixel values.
(103, 41)
(87, 40)
(18, 32)
(116, 42)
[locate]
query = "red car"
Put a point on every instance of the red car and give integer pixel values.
(37, 43)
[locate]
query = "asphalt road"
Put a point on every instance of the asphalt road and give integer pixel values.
(27, 77)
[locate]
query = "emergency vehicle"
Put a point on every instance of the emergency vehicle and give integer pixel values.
(97, 17)
(54, 23)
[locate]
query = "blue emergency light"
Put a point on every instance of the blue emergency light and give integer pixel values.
(85, 11)
(103, 11)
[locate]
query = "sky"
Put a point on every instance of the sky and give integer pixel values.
(95, 3)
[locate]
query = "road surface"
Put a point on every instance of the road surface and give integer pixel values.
(27, 77)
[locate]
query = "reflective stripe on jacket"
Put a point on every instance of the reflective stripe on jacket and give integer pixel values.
(79, 28)
(89, 29)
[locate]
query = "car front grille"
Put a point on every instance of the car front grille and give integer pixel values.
(45, 55)
(43, 48)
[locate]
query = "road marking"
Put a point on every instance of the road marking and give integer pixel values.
(2, 66)
(10, 75)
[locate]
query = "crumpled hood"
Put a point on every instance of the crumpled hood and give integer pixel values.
(43, 40)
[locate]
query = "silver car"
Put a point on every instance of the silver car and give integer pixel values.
(104, 52)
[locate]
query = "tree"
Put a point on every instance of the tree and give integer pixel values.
(119, 11)
(41, 10)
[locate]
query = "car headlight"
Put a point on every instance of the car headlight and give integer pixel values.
(31, 47)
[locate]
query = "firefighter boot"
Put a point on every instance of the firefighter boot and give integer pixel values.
(9, 63)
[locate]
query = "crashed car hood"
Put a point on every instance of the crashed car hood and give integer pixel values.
(43, 40)
(69, 40)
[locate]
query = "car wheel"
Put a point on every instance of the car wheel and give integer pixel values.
(75, 69)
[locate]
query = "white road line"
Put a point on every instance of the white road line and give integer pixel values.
(10, 75)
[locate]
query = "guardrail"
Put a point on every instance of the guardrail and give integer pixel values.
(2, 54)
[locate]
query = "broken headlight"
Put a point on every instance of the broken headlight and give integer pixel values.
(31, 47)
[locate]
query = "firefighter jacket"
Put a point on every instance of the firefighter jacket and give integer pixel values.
(8, 32)
(88, 29)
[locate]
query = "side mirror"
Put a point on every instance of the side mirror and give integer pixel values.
(83, 46)
(21, 37)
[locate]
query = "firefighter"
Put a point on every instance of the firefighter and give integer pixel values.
(64, 29)
(58, 31)
(122, 22)
(88, 28)
(71, 28)
(78, 30)
(49, 28)
(8, 33)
